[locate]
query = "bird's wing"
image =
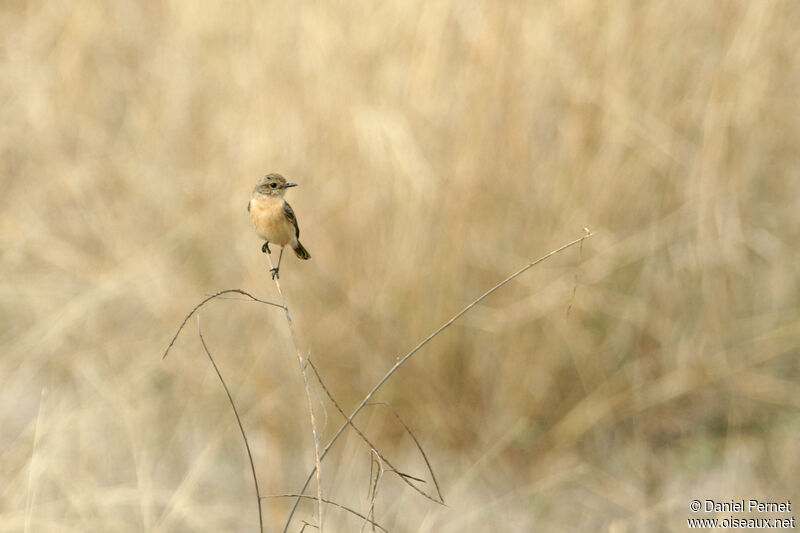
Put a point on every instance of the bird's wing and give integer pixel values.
(287, 210)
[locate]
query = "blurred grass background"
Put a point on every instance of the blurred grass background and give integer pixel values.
(439, 146)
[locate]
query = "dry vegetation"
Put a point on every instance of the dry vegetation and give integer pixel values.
(439, 146)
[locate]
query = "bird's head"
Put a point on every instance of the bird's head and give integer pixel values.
(273, 185)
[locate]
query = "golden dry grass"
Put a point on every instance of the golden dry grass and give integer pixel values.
(439, 146)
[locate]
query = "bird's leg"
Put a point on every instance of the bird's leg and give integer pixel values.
(265, 249)
(275, 270)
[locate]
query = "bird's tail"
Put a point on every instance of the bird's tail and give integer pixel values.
(301, 252)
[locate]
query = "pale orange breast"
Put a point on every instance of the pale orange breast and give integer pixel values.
(270, 221)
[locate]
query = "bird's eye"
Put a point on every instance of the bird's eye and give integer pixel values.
(273, 185)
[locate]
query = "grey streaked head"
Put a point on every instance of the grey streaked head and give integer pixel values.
(272, 185)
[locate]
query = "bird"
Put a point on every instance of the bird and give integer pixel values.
(274, 219)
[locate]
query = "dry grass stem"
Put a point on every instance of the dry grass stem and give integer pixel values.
(205, 301)
(328, 502)
(301, 361)
(577, 274)
(419, 346)
(239, 422)
(374, 449)
(374, 483)
(417, 444)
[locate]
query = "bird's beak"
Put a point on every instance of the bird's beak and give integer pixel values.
(290, 185)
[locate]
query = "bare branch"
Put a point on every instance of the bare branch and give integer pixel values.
(328, 502)
(302, 362)
(373, 486)
(201, 304)
(238, 421)
(307, 524)
(419, 447)
(577, 273)
(414, 350)
(404, 477)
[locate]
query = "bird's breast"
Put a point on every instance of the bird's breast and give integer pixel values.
(269, 220)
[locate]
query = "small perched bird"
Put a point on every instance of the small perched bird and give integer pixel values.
(273, 217)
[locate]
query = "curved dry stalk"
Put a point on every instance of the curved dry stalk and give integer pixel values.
(238, 421)
(329, 502)
(302, 362)
(205, 301)
(372, 493)
(403, 476)
(577, 274)
(419, 447)
(414, 350)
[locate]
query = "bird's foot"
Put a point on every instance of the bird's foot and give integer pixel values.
(265, 249)
(274, 272)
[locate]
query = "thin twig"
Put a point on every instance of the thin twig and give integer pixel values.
(419, 446)
(328, 502)
(409, 476)
(201, 304)
(238, 421)
(301, 361)
(404, 477)
(405, 358)
(577, 274)
(309, 524)
(373, 486)
(319, 398)
(371, 463)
